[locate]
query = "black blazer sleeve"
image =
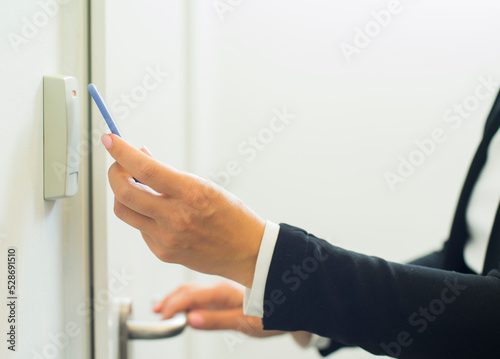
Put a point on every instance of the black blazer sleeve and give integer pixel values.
(432, 260)
(399, 310)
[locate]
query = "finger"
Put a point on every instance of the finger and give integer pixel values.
(229, 320)
(182, 289)
(233, 319)
(159, 176)
(216, 319)
(177, 302)
(137, 197)
(218, 297)
(146, 151)
(131, 217)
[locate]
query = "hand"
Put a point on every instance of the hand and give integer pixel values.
(183, 218)
(215, 308)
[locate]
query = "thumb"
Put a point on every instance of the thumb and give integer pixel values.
(159, 176)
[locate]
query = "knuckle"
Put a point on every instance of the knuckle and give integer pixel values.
(124, 194)
(211, 189)
(190, 287)
(184, 288)
(250, 327)
(224, 286)
(199, 199)
(148, 170)
(183, 219)
(119, 210)
(165, 256)
(164, 251)
(112, 170)
(200, 195)
(256, 324)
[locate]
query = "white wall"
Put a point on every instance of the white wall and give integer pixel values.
(51, 236)
(325, 171)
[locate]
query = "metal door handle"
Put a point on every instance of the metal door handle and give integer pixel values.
(156, 330)
(132, 329)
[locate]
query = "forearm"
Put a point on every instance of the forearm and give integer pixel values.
(365, 301)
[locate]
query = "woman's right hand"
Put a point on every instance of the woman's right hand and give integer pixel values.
(214, 308)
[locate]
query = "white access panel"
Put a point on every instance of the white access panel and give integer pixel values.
(61, 136)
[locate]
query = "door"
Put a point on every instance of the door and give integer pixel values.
(356, 112)
(139, 63)
(45, 307)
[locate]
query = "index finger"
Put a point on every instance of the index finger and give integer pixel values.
(159, 176)
(198, 299)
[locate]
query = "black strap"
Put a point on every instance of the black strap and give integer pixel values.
(492, 259)
(459, 233)
(492, 117)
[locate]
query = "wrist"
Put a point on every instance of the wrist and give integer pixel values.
(248, 261)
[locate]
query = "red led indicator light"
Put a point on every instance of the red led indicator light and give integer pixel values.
(73, 93)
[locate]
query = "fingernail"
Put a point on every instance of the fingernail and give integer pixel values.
(196, 320)
(107, 141)
(147, 151)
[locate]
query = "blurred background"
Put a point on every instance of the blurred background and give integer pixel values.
(384, 117)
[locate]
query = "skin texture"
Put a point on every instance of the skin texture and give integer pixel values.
(189, 220)
(214, 308)
(184, 218)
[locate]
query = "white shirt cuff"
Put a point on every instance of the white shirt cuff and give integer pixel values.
(253, 302)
